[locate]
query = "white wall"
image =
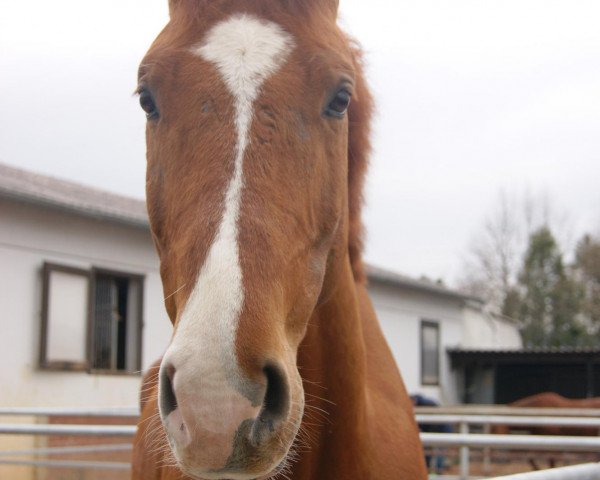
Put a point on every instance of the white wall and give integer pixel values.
(31, 235)
(486, 332)
(400, 312)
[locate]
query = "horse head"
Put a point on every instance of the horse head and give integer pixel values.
(253, 183)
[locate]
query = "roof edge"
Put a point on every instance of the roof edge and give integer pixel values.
(381, 275)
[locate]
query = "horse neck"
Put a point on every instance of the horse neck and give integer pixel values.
(332, 363)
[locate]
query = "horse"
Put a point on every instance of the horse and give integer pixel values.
(553, 400)
(257, 140)
(550, 400)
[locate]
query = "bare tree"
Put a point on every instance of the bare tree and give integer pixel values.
(491, 263)
(494, 256)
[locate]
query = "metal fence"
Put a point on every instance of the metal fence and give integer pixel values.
(464, 440)
(587, 471)
(31, 456)
(486, 416)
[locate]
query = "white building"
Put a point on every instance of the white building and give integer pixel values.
(72, 240)
(82, 302)
(422, 319)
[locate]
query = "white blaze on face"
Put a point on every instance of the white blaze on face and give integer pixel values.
(246, 51)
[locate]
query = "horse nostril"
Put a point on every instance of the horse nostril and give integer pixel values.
(275, 404)
(168, 401)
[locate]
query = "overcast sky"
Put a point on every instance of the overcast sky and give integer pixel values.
(473, 97)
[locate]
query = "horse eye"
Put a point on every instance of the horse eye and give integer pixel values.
(148, 105)
(338, 106)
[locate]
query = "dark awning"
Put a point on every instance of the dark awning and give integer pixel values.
(460, 357)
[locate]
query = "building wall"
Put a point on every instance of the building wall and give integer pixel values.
(400, 312)
(29, 236)
(483, 331)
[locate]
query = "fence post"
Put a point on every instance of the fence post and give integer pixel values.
(486, 452)
(464, 454)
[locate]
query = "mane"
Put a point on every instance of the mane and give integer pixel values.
(359, 148)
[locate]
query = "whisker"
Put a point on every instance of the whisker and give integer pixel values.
(176, 291)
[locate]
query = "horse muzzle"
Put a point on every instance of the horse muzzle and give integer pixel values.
(220, 426)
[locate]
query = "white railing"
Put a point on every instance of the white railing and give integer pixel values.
(458, 416)
(11, 457)
(521, 420)
(586, 471)
(118, 447)
(70, 412)
(486, 416)
(85, 464)
(505, 410)
(513, 442)
(58, 429)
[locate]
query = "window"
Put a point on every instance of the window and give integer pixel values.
(64, 318)
(91, 320)
(430, 353)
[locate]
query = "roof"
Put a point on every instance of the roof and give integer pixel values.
(61, 194)
(527, 355)
(381, 275)
(529, 350)
(39, 189)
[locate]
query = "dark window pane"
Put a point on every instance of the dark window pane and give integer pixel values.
(117, 321)
(105, 323)
(430, 353)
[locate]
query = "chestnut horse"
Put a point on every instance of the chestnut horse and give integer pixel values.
(257, 143)
(550, 400)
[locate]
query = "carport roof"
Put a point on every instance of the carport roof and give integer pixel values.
(460, 356)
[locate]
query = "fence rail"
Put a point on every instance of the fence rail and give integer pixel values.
(111, 447)
(58, 429)
(517, 420)
(586, 471)
(70, 412)
(494, 410)
(85, 464)
(513, 442)
(473, 440)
